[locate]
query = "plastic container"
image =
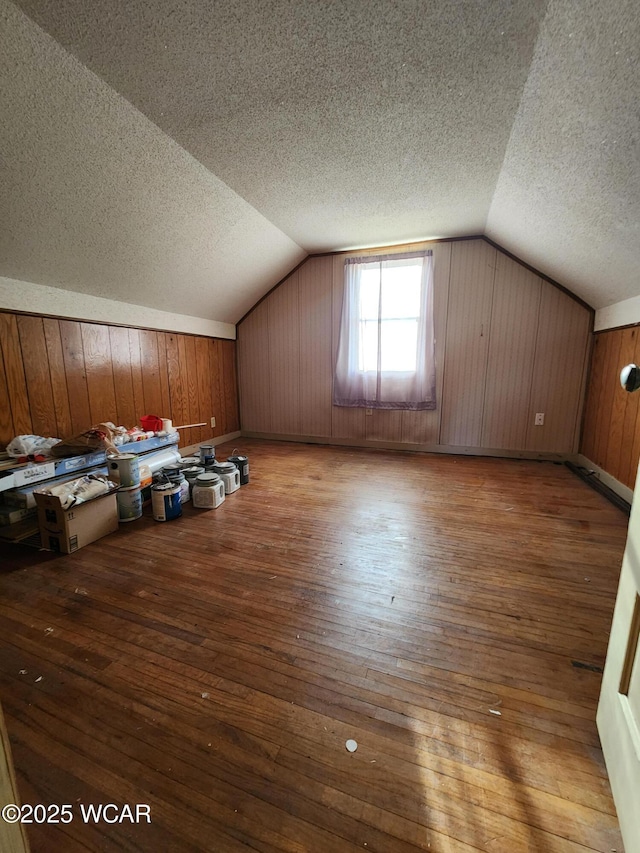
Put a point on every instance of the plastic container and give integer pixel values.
(191, 475)
(208, 492)
(230, 476)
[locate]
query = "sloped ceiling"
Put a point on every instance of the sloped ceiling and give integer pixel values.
(190, 152)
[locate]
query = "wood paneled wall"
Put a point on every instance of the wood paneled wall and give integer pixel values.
(508, 344)
(59, 377)
(611, 434)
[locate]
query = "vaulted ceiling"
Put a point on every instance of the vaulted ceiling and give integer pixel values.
(185, 154)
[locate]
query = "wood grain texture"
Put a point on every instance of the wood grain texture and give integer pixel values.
(217, 395)
(512, 350)
(205, 406)
(122, 378)
(73, 355)
(284, 357)
(214, 666)
(475, 408)
(424, 427)
(151, 387)
(315, 354)
(35, 360)
(62, 377)
(6, 418)
(473, 266)
(254, 367)
(559, 373)
(14, 376)
(136, 374)
(58, 378)
(230, 386)
(99, 372)
(13, 838)
(611, 432)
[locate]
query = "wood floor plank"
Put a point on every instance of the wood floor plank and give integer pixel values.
(215, 666)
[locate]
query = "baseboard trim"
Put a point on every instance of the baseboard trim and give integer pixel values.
(219, 439)
(600, 474)
(414, 448)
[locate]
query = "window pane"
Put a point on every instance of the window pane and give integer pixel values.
(368, 354)
(369, 292)
(401, 286)
(399, 340)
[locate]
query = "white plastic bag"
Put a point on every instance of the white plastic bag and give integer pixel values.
(30, 445)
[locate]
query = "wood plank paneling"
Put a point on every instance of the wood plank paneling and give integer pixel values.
(284, 357)
(424, 427)
(315, 354)
(512, 346)
(217, 399)
(151, 390)
(80, 374)
(255, 372)
(559, 373)
(614, 448)
(99, 372)
(136, 375)
(123, 382)
(473, 266)
(35, 359)
(203, 393)
(73, 354)
(163, 375)
(230, 383)
(14, 375)
(58, 378)
(383, 425)
(611, 432)
(6, 419)
(177, 391)
(484, 392)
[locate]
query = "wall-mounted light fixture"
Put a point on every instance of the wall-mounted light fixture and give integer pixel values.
(630, 377)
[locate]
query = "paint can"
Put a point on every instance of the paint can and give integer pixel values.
(174, 475)
(129, 503)
(207, 454)
(208, 492)
(191, 474)
(242, 464)
(230, 476)
(165, 501)
(188, 461)
(125, 469)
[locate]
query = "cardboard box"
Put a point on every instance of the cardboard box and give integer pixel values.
(67, 530)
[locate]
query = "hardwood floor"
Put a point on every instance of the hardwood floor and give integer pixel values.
(450, 614)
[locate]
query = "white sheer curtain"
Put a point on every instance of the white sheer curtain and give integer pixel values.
(386, 357)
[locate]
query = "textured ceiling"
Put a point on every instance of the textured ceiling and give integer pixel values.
(315, 126)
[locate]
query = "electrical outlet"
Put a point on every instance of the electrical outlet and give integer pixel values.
(213, 422)
(368, 411)
(539, 421)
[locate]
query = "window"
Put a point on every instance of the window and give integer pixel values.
(385, 353)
